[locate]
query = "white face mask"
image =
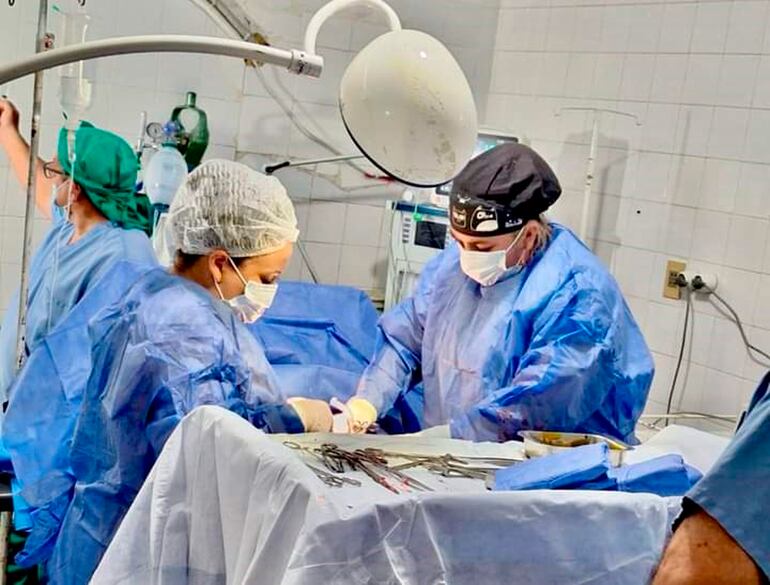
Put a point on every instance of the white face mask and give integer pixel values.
(486, 268)
(255, 300)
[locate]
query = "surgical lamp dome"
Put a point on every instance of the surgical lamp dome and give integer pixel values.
(408, 107)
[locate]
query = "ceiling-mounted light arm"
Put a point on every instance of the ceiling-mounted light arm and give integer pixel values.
(335, 6)
(296, 61)
(270, 169)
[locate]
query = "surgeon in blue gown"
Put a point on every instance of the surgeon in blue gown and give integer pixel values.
(515, 326)
(98, 220)
(159, 344)
(723, 534)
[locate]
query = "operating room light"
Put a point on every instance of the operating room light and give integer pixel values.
(408, 107)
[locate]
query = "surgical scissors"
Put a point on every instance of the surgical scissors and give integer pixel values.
(332, 480)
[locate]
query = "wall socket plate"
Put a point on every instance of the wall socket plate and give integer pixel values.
(671, 289)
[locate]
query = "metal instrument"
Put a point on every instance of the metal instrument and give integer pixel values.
(375, 463)
(330, 479)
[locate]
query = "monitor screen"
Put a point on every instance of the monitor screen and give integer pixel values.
(430, 234)
(484, 142)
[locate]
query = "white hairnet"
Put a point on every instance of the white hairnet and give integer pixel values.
(226, 205)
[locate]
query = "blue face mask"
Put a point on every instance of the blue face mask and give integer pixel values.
(58, 213)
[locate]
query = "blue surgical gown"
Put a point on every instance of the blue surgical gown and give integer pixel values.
(736, 491)
(165, 347)
(53, 292)
(553, 347)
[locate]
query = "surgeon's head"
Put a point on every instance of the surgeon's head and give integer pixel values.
(234, 230)
(95, 172)
(496, 209)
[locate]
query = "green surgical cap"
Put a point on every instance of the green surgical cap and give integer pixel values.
(106, 168)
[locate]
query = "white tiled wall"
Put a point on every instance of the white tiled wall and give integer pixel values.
(341, 215)
(691, 183)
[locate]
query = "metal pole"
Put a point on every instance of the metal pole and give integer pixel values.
(589, 181)
(591, 164)
(29, 215)
(5, 529)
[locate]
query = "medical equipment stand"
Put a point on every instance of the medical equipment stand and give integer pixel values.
(591, 165)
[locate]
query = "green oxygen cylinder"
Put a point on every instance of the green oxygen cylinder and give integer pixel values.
(193, 131)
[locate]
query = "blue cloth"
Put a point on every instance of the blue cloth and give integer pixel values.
(736, 491)
(554, 347)
(588, 468)
(567, 469)
(53, 292)
(318, 338)
(665, 476)
(165, 347)
(353, 314)
(44, 407)
(319, 351)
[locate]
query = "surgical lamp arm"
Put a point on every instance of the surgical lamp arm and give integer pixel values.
(296, 61)
(335, 6)
(306, 62)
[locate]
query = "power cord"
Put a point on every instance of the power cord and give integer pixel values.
(680, 359)
(699, 284)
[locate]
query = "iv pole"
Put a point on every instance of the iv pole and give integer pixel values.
(591, 165)
(21, 325)
(34, 146)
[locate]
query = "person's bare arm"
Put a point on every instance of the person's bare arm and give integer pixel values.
(701, 552)
(17, 150)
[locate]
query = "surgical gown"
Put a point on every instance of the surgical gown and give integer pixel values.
(60, 274)
(736, 491)
(166, 347)
(553, 347)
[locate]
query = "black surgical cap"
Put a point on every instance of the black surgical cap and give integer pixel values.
(500, 190)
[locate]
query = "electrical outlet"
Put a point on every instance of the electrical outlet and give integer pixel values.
(671, 289)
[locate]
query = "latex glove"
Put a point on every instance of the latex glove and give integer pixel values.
(9, 120)
(316, 416)
(362, 415)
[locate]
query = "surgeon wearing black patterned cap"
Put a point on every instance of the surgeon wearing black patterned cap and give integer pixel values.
(515, 326)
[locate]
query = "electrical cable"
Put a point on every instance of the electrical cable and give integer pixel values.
(303, 252)
(736, 319)
(727, 418)
(213, 12)
(681, 353)
(720, 419)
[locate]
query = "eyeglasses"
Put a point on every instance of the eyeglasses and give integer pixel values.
(50, 170)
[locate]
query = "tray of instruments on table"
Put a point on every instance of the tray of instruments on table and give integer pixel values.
(401, 464)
